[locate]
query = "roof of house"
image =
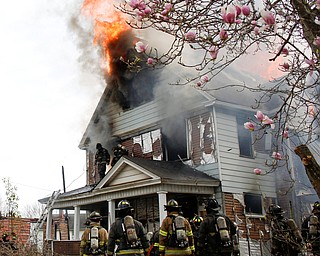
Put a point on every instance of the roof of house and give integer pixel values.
(171, 170)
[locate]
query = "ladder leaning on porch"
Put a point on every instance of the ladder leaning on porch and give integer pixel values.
(43, 217)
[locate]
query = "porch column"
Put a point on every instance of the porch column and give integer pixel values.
(49, 225)
(162, 196)
(111, 212)
(76, 223)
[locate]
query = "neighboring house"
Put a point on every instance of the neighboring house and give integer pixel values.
(17, 229)
(183, 143)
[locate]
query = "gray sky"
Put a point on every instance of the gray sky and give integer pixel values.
(46, 99)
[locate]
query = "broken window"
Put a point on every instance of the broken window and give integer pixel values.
(201, 138)
(148, 143)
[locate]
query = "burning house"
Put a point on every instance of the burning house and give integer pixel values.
(182, 143)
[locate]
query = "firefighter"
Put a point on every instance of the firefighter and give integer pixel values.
(310, 230)
(118, 152)
(5, 237)
(102, 159)
(154, 241)
(127, 236)
(195, 225)
(286, 238)
(176, 237)
(94, 239)
(216, 232)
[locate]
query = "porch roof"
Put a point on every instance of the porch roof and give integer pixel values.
(132, 177)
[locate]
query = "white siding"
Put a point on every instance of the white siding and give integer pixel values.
(237, 172)
(128, 175)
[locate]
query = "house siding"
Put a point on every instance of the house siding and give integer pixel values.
(233, 167)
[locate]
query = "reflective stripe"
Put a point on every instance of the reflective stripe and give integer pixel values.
(192, 248)
(189, 233)
(156, 244)
(131, 251)
(161, 247)
(163, 233)
(186, 251)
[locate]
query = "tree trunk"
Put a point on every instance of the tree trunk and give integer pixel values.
(311, 166)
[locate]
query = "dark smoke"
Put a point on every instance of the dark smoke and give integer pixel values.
(126, 87)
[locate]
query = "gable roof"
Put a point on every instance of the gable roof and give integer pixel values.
(132, 176)
(133, 169)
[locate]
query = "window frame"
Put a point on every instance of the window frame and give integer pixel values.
(245, 199)
(244, 133)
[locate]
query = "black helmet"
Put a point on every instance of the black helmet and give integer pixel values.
(275, 210)
(172, 205)
(98, 146)
(95, 216)
(213, 205)
(197, 220)
(316, 207)
(123, 205)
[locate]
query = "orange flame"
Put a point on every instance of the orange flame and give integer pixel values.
(108, 25)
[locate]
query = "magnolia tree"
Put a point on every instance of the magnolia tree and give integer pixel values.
(223, 31)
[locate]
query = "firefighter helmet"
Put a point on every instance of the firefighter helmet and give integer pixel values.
(123, 205)
(98, 146)
(197, 220)
(95, 216)
(172, 205)
(213, 205)
(275, 210)
(316, 207)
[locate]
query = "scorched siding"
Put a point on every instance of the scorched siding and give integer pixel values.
(237, 172)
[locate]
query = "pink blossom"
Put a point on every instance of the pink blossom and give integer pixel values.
(214, 50)
(137, 4)
(147, 10)
(199, 83)
(268, 17)
(259, 115)
(133, 3)
(318, 4)
(229, 15)
(257, 171)
(316, 41)
(168, 6)
(276, 155)
(254, 22)
(267, 120)
(285, 134)
(141, 47)
(285, 66)
(249, 126)
(245, 10)
(205, 79)
(238, 10)
(256, 30)
(190, 35)
(285, 52)
(223, 34)
(150, 61)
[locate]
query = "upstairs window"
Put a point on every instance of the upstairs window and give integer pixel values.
(244, 137)
(174, 137)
